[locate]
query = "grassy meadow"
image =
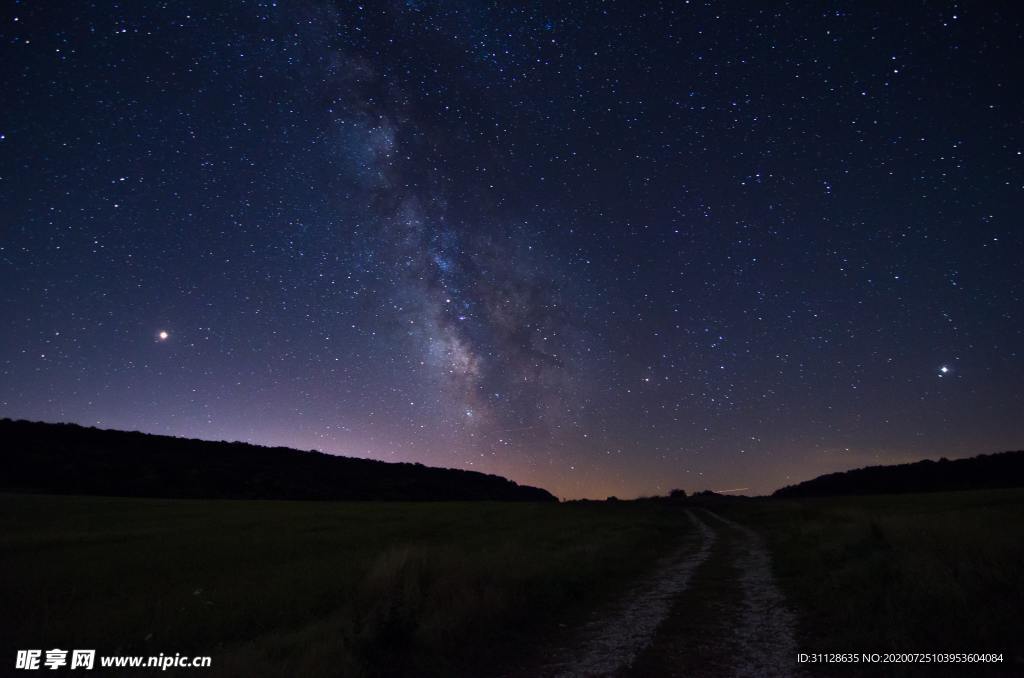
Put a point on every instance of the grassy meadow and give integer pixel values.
(272, 588)
(940, 572)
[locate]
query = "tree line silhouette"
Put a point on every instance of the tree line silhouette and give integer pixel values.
(985, 471)
(72, 459)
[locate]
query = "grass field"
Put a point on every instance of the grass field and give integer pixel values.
(431, 589)
(937, 572)
(314, 588)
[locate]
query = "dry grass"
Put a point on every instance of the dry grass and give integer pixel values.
(315, 588)
(902, 573)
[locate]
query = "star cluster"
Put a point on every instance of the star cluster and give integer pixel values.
(606, 248)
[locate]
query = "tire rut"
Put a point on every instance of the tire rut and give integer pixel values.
(763, 638)
(613, 641)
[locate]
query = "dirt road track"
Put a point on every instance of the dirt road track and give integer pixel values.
(752, 634)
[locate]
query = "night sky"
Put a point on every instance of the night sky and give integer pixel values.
(605, 248)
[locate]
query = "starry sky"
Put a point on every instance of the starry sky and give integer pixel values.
(600, 247)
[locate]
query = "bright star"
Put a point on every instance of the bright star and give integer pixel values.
(162, 335)
(943, 371)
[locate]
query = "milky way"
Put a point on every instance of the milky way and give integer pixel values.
(607, 248)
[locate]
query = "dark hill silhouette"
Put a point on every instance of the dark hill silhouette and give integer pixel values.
(72, 459)
(986, 471)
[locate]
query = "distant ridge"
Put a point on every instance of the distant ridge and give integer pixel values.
(986, 471)
(72, 459)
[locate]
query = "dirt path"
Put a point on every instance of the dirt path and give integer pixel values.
(763, 636)
(712, 609)
(613, 641)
